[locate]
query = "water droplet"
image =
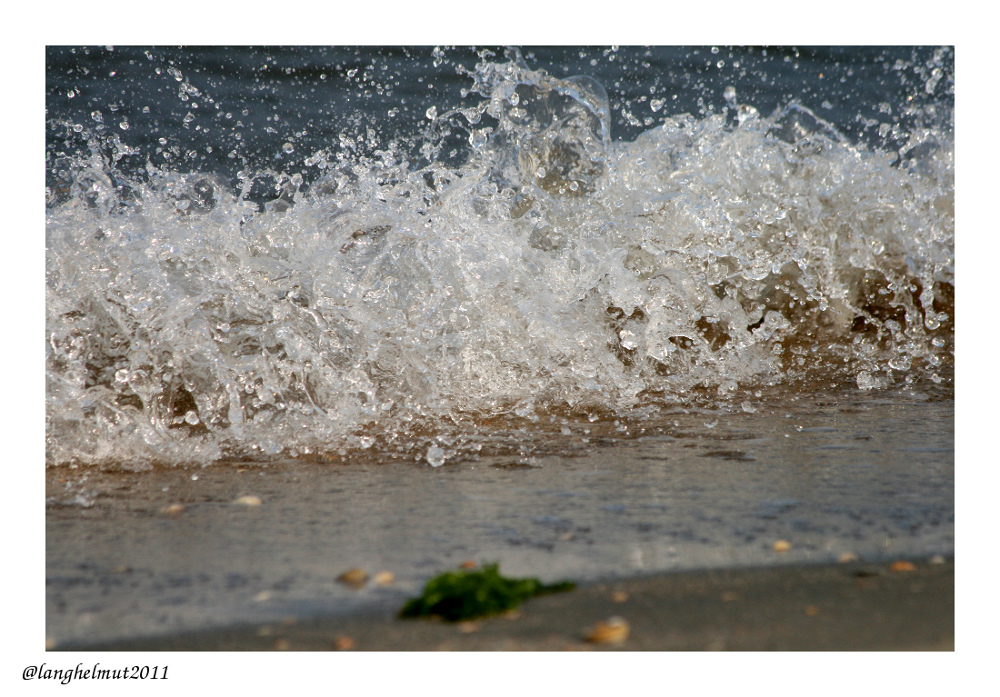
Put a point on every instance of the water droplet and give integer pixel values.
(900, 362)
(478, 137)
(288, 147)
(435, 456)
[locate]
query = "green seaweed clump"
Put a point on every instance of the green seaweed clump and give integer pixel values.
(464, 595)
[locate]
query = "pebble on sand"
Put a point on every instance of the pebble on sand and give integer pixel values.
(384, 578)
(782, 546)
(248, 501)
(343, 643)
(172, 509)
(355, 578)
(619, 596)
(847, 558)
(611, 631)
(898, 566)
(467, 564)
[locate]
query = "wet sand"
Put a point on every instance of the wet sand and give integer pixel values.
(681, 513)
(848, 607)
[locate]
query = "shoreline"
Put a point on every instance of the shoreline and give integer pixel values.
(812, 480)
(818, 607)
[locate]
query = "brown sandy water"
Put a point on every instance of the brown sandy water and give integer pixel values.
(832, 472)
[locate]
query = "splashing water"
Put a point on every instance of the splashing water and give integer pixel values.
(544, 268)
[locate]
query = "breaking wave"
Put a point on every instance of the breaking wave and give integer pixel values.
(546, 268)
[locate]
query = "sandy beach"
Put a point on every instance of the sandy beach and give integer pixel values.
(674, 324)
(724, 530)
(849, 607)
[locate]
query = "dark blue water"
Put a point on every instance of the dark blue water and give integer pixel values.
(226, 109)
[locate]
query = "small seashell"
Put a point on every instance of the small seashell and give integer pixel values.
(902, 566)
(355, 578)
(611, 631)
(172, 509)
(247, 501)
(782, 546)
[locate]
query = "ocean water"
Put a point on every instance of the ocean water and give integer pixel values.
(255, 254)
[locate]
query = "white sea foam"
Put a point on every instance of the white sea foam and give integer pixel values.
(553, 269)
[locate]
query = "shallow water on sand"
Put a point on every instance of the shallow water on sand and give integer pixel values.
(832, 473)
